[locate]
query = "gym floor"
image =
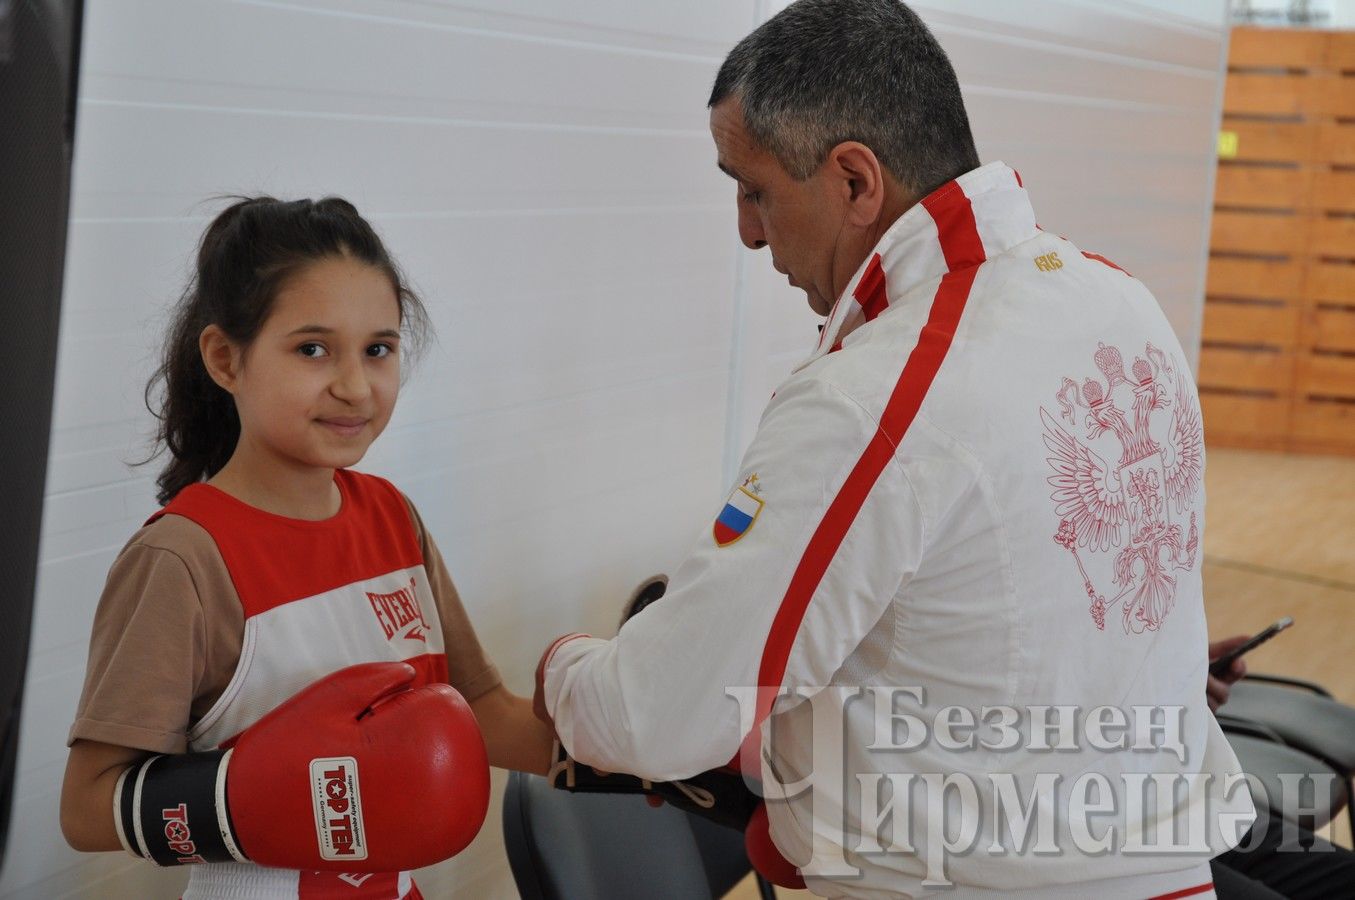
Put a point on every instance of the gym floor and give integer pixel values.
(1279, 541)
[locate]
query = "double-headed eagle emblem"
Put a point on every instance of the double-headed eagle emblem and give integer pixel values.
(1137, 502)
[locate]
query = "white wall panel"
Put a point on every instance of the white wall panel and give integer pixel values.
(1109, 111)
(604, 347)
(543, 173)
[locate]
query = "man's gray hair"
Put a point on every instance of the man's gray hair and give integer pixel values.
(821, 72)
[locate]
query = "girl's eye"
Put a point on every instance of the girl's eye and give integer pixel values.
(312, 350)
(378, 351)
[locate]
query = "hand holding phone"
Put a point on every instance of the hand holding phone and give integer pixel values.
(1219, 667)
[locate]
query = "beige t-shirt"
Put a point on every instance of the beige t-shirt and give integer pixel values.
(169, 628)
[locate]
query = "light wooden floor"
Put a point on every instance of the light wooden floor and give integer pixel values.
(1279, 541)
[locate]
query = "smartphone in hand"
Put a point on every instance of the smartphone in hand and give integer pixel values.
(1219, 667)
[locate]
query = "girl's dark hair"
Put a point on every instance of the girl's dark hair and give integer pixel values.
(246, 256)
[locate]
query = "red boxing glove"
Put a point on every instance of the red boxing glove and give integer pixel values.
(766, 859)
(356, 773)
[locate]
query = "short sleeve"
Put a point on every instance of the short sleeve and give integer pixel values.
(147, 655)
(469, 670)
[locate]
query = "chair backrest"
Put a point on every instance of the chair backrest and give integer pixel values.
(723, 856)
(564, 846)
(1321, 791)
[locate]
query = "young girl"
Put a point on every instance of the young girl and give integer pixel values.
(273, 564)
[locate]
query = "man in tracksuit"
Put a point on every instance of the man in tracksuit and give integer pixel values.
(955, 589)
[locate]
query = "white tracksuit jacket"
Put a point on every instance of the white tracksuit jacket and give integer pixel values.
(985, 488)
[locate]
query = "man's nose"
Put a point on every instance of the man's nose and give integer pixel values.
(750, 227)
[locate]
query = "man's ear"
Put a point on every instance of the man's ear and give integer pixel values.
(220, 356)
(861, 179)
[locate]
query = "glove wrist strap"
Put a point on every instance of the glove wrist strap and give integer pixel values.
(720, 795)
(172, 810)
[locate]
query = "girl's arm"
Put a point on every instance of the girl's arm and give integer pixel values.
(92, 771)
(514, 737)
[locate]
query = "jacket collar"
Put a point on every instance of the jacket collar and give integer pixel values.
(979, 215)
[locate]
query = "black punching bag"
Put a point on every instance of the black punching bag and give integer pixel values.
(39, 57)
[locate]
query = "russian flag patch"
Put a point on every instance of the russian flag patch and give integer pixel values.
(740, 512)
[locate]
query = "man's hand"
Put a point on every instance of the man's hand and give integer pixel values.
(720, 795)
(1217, 689)
(539, 695)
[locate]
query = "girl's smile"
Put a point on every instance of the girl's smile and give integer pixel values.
(345, 426)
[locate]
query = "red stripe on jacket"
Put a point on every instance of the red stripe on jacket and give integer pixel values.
(963, 250)
(1187, 892)
(870, 291)
(1101, 259)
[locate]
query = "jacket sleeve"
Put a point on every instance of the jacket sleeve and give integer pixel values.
(836, 530)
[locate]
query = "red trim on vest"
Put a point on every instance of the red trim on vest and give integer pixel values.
(1101, 259)
(431, 668)
(273, 560)
(963, 250)
(870, 290)
(1187, 892)
(356, 886)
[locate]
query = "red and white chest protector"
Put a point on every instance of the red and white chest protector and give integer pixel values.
(317, 597)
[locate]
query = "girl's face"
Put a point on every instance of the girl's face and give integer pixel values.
(319, 381)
